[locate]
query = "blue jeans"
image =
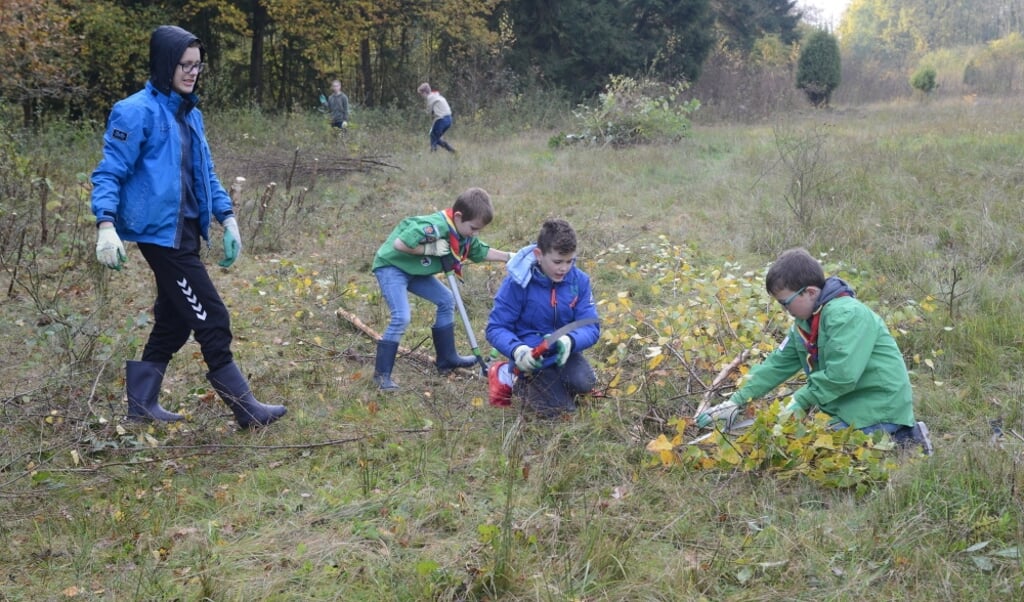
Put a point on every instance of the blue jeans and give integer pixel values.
(438, 129)
(396, 285)
(898, 432)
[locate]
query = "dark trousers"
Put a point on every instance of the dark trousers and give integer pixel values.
(552, 391)
(186, 302)
(438, 129)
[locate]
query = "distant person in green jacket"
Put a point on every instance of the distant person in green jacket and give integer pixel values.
(855, 371)
(338, 105)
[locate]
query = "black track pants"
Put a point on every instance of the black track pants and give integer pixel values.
(186, 302)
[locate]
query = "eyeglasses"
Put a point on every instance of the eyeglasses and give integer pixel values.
(792, 297)
(192, 67)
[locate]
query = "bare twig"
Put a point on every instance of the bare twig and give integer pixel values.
(722, 375)
(362, 327)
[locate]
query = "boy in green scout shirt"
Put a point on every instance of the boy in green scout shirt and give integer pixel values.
(409, 262)
(855, 371)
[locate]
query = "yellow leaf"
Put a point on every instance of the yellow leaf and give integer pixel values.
(477, 402)
(667, 458)
(615, 381)
(824, 441)
(659, 445)
(655, 362)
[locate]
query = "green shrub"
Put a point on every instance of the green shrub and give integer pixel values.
(818, 71)
(632, 112)
(923, 80)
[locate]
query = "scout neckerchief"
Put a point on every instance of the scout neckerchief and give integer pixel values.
(810, 339)
(460, 251)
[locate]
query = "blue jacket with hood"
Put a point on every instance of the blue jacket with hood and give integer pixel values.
(529, 305)
(138, 183)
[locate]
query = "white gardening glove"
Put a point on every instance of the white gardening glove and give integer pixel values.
(232, 242)
(563, 347)
(787, 412)
(724, 411)
(439, 248)
(109, 248)
(523, 356)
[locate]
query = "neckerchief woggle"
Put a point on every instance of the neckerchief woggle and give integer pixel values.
(459, 250)
(834, 287)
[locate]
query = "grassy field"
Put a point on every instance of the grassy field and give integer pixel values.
(429, 493)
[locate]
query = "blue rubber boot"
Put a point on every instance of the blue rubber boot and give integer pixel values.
(142, 383)
(383, 364)
(234, 390)
(447, 358)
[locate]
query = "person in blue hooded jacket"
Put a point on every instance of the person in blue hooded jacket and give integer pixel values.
(543, 291)
(156, 186)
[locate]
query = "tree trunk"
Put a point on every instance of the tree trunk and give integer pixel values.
(260, 20)
(366, 68)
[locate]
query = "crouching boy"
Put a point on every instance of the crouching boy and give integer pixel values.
(855, 371)
(543, 291)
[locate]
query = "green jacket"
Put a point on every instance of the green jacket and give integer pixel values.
(415, 231)
(860, 377)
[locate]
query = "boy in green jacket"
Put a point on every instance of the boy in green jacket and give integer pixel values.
(409, 262)
(855, 371)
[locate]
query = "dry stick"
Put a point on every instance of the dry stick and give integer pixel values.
(362, 327)
(17, 263)
(44, 230)
(739, 359)
(689, 368)
(209, 448)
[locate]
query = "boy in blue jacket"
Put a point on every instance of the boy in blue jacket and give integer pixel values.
(544, 290)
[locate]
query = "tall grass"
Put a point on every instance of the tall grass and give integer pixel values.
(429, 494)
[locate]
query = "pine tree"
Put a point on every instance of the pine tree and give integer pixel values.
(818, 72)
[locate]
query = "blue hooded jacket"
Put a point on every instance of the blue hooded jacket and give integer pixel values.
(137, 184)
(529, 305)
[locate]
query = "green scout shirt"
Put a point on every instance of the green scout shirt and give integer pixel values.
(420, 229)
(860, 377)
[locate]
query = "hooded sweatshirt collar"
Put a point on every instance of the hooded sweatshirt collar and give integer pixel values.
(834, 287)
(166, 46)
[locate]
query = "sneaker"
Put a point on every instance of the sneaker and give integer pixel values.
(922, 437)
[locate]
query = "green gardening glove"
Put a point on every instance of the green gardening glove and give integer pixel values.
(232, 242)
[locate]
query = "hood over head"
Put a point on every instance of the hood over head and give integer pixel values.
(166, 46)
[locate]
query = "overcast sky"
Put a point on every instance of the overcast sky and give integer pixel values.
(831, 9)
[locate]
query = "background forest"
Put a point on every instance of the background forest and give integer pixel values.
(74, 58)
